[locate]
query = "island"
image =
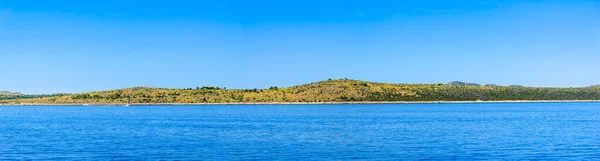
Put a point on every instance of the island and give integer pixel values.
(328, 91)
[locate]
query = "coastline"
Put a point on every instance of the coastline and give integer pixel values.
(309, 103)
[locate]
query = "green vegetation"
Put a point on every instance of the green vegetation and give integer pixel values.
(5, 95)
(342, 90)
(459, 83)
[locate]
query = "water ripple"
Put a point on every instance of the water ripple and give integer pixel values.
(512, 131)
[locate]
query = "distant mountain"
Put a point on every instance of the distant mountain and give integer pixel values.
(459, 83)
(7, 93)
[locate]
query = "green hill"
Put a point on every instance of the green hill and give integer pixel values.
(6, 95)
(324, 91)
(459, 83)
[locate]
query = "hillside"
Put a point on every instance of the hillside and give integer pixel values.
(324, 91)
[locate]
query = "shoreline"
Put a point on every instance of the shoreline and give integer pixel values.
(308, 103)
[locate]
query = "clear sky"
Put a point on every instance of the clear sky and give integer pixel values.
(49, 46)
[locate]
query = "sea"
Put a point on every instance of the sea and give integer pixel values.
(452, 131)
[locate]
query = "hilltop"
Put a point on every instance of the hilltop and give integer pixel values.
(342, 90)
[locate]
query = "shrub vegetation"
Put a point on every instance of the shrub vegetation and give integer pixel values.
(342, 90)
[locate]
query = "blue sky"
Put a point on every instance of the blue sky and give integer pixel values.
(77, 46)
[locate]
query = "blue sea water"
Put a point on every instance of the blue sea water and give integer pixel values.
(496, 131)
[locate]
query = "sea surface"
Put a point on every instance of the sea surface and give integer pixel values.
(476, 131)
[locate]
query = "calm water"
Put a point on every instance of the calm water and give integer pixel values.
(505, 131)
